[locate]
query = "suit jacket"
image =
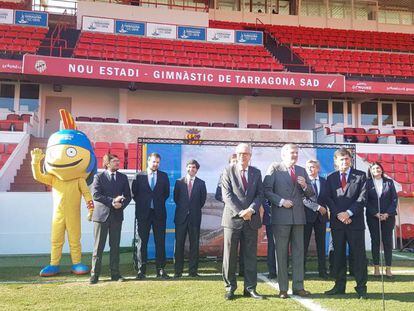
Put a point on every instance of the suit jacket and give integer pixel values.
(236, 199)
(352, 198)
(104, 192)
(143, 195)
(388, 199)
(278, 185)
(189, 206)
(219, 196)
(311, 211)
(267, 213)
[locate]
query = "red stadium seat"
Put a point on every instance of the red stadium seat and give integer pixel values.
(400, 168)
(373, 157)
(102, 145)
(97, 119)
(135, 121)
(387, 158)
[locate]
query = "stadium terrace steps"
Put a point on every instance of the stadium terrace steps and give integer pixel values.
(350, 52)
(24, 182)
(329, 37)
(357, 62)
(18, 40)
(175, 52)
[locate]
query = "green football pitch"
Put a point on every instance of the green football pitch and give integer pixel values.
(22, 289)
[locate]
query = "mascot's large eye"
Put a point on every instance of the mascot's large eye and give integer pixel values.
(71, 152)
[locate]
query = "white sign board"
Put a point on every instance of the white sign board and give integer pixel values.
(220, 35)
(6, 16)
(98, 24)
(161, 31)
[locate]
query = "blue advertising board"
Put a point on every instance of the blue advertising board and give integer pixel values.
(29, 18)
(129, 28)
(249, 37)
(191, 33)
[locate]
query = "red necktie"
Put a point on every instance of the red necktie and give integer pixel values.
(244, 180)
(292, 174)
(190, 187)
(343, 181)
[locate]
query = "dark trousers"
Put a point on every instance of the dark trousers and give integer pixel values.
(387, 227)
(356, 241)
(142, 232)
(271, 253)
(320, 238)
(101, 230)
(241, 260)
(248, 239)
(181, 232)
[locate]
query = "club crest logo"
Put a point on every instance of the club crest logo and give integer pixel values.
(193, 137)
(40, 66)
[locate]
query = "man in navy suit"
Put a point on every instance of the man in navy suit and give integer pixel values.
(111, 194)
(346, 199)
(190, 195)
(151, 188)
(316, 216)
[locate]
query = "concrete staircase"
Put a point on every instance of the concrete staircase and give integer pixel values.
(24, 182)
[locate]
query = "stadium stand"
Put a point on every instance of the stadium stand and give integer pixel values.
(15, 39)
(174, 52)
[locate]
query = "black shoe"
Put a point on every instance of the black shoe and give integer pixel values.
(177, 275)
(193, 275)
(272, 276)
(93, 280)
(335, 291)
(161, 274)
(140, 276)
(229, 295)
(117, 278)
(252, 293)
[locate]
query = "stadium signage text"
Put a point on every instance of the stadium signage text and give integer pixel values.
(204, 77)
(373, 87)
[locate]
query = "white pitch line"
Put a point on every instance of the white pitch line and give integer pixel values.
(306, 302)
(403, 256)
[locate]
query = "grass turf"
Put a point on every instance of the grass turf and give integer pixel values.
(26, 290)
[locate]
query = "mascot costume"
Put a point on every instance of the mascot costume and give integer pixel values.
(69, 167)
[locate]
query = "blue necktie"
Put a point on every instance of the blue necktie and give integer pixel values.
(152, 181)
(315, 187)
(152, 188)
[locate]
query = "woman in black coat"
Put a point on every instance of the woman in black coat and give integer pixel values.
(381, 191)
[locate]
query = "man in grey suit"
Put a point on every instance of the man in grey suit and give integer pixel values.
(111, 194)
(285, 186)
(190, 194)
(242, 190)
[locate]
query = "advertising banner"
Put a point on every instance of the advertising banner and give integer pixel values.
(191, 33)
(10, 66)
(30, 18)
(129, 28)
(6, 16)
(98, 24)
(161, 31)
(249, 37)
(220, 35)
(206, 77)
(380, 87)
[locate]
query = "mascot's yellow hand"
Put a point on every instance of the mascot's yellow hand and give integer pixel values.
(37, 155)
(90, 209)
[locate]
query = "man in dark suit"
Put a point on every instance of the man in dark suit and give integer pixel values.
(271, 253)
(346, 198)
(316, 216)
(219, 197)
(151, 188)
(285, 186)
(111, 194)
(242, 195)
(190, 195)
